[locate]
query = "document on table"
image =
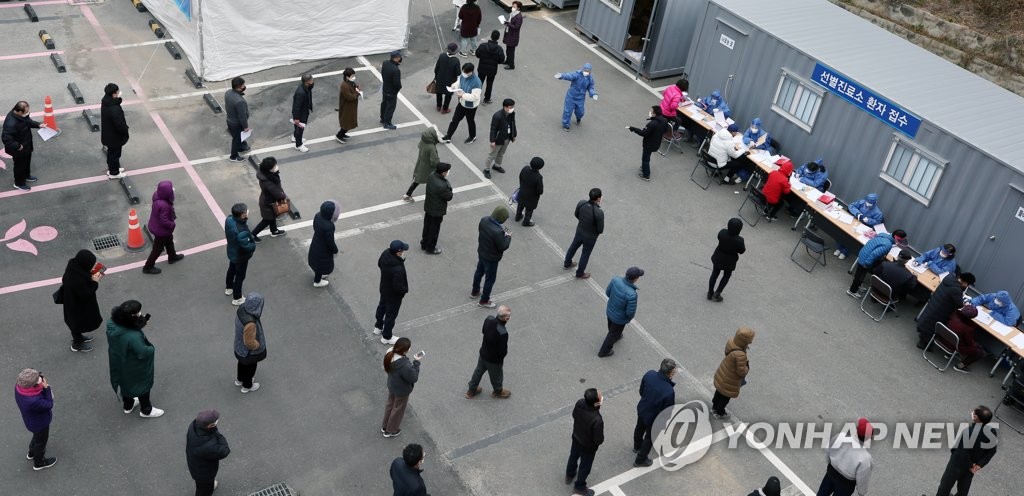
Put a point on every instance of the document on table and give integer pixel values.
(845, 218)
(719, 116)
(696, 112)
(501, 19)
(1017, 341)
(986, 318)
(880, 229)
(246, 134)
(47, 133)
(917, 269)
(894, 252)
(862, 229)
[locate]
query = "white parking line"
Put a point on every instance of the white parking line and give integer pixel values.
(634, 473)
(258, 84)
(616, 491)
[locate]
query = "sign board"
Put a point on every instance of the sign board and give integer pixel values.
(727, 42)
(866, 100)
(1020, 214)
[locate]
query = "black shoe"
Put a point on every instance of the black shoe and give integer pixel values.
(529, 224)
(603, 355)
(519, 217)
(47, 463)
(236, 159)
(151, 270)
(510, 67)
(487, 173)
(487, 101)
(176, 258)
(473, 140)
(586, 492)
(498, 168)
(256, 239)
(33, 179)
(274, 234)
(569, 478)
(709, 294)
(717, 298)
(86, 339)
(81, 347)
(636, 450)
(445, 139)
(646, 462)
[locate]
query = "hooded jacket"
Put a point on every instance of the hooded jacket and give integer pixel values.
(963, 326)
(162, 216)
(270, 192)
(734, 367)
(249, 340)
(713, 102)
(750, 137)
(656, 394)
(876, 248)
(579, 85)
(1005, 311)
(723, 148)
(323, 247)
(403, 376)
(439, 193)
(81, 310)
(670, 101)
(622, 300)
(730, 245)
(131, 355)
(204, 449)
(491, 241)
(113, 126)
(868, 215)
(652, 133)
(240, 244)
(778, 183)
(587, 425)
(933, 259)
(394, 282)
(531, 186)
(426, 159)
(491, 55)
(814, 179)
(947, 298)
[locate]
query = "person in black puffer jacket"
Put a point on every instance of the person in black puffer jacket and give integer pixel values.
(652, 133)
(730, 246)
(394, 284)
(531, 186)
(204, 449)
(271, 192)
(587, 436)
(323, 247)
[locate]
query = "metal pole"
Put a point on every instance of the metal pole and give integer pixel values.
(202, 52)
(647, 39)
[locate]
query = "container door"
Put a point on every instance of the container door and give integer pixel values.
(722, 55)
(1005, 250)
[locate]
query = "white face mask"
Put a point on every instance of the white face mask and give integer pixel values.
(753, 129)
(586, 73)
(650, 115)
(467, 74)
(353, 78)
(511, 110)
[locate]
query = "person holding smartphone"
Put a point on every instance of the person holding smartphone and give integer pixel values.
(403, 373)
(78, 294)
(35, 400)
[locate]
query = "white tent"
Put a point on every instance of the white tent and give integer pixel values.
(226, 38)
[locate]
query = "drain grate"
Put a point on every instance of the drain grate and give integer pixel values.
(105, 242)
(281, 489)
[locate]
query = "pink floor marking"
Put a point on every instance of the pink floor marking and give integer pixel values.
(87, 180)
(21, 5)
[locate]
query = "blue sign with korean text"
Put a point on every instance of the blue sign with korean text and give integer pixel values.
(866, 100)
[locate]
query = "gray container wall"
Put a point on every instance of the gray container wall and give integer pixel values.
(967, 204)
(560, 3)
(667, 52)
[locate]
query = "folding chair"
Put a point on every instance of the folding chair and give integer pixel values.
(674, 137)
(815, 248)
(704, 161)
(946, 341)
(756, 198)
(1014, 398)
(827, 186)
(774, 146)
(881, 293)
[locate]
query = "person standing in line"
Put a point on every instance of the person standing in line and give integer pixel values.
(131, 358)
(493, 240)
(241, 247)
(435, 206)
(512, 26)
(446, 72)
(947, 298)
(392, 84)
(732, 371)
(113, 129)
(205, 447)
(771, 488)
(405, 472)
(656, 394)
(467, 88)
(162, 221)
(403, 373)
(849, 463)
(492, 355)
(271, 192)
(250, 345)
(471, 17)
(302, 106)
(723, 260)
(17, 139)
(394, 285)
(78, 293)
(426, 161)
(503, 133)
(490, 56)
(872, 254)
(531, 186)
(621, 307)
(589, 225)
(587, 436)
(349, 94)
(237, 111)
(35, 401)
(972, 450)
(581, 83)
(652, 134)
(323, 247)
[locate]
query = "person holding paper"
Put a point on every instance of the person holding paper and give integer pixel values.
(349, 94)
(940, 260)
(512, 26)
(714, 102)
(728, 154)
(17, 139)
(755, 137)
(580, 84)
(237, 111)
(813, 174)
(961, 323)
(873, 253)
(113, 129)
(864, 210)
(896, 275)
(670, 100)
(302, 105)
(1000, 307)
(467, 89)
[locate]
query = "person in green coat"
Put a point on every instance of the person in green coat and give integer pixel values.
(426, 162)
(131, 358)
(435, 206)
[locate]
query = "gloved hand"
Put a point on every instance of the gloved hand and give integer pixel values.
(594, 97)
(558, 75)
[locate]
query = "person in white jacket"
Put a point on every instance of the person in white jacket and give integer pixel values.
(727, 152)
(467, 88)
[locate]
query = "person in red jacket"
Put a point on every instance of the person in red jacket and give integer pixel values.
(776, 187)
(961, 323)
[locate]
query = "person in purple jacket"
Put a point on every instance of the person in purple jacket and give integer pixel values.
(161, 226)
(36, 404)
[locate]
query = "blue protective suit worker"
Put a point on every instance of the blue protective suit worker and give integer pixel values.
(1000, 306)
(813, 174)
(581, 83)
(939, 260)
(755, 137)
(714, 101)
(866, 210)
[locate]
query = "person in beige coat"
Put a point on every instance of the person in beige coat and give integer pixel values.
(732, 372)
(348, 105)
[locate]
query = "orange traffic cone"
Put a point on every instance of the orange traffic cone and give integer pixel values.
(48, 118)
(135, 240)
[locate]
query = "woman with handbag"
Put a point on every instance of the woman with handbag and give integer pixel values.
(273, 200)
(78, 296)
(250, 345)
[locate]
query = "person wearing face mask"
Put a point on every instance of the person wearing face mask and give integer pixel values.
(435, 206)
(531, 187)
(587, 437)
(732, 371)
(723, 260)
(714, 102)
(250, 345)
(237, 111)
(814, 174)
(467, 89)
(162, 221)
(492, 355)
(656, 394)
(271, 192)
(17, 139)
(391, 77)
(621, 307)
(973, 448)
(35, 400)
(240, 248)
(394, 285)
(446, 72)
(348, 105)
(503, 133)
(864, 210)
(302, 105)
(513, 24)
(772, 487)
(490, 56)
(113, 129)
(205, 447)
(939, 260)
(872, 254)
(323, 247)
(581, 83)
(1000, 307)
(755, 137)
(131, 358)
(78, 297)
(947, 298)
(656, 127)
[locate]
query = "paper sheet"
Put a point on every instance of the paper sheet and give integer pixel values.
(984, 317)
(246, 134)
(719, 116)
(880, 228)
(501, 19)
(862, 229)
(845, 218)
(47, 133)
(894, 252)
(999, 328)
(917, 269)
(1018, 341)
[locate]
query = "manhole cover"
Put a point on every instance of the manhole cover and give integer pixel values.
(281, 489)
(105, 242)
